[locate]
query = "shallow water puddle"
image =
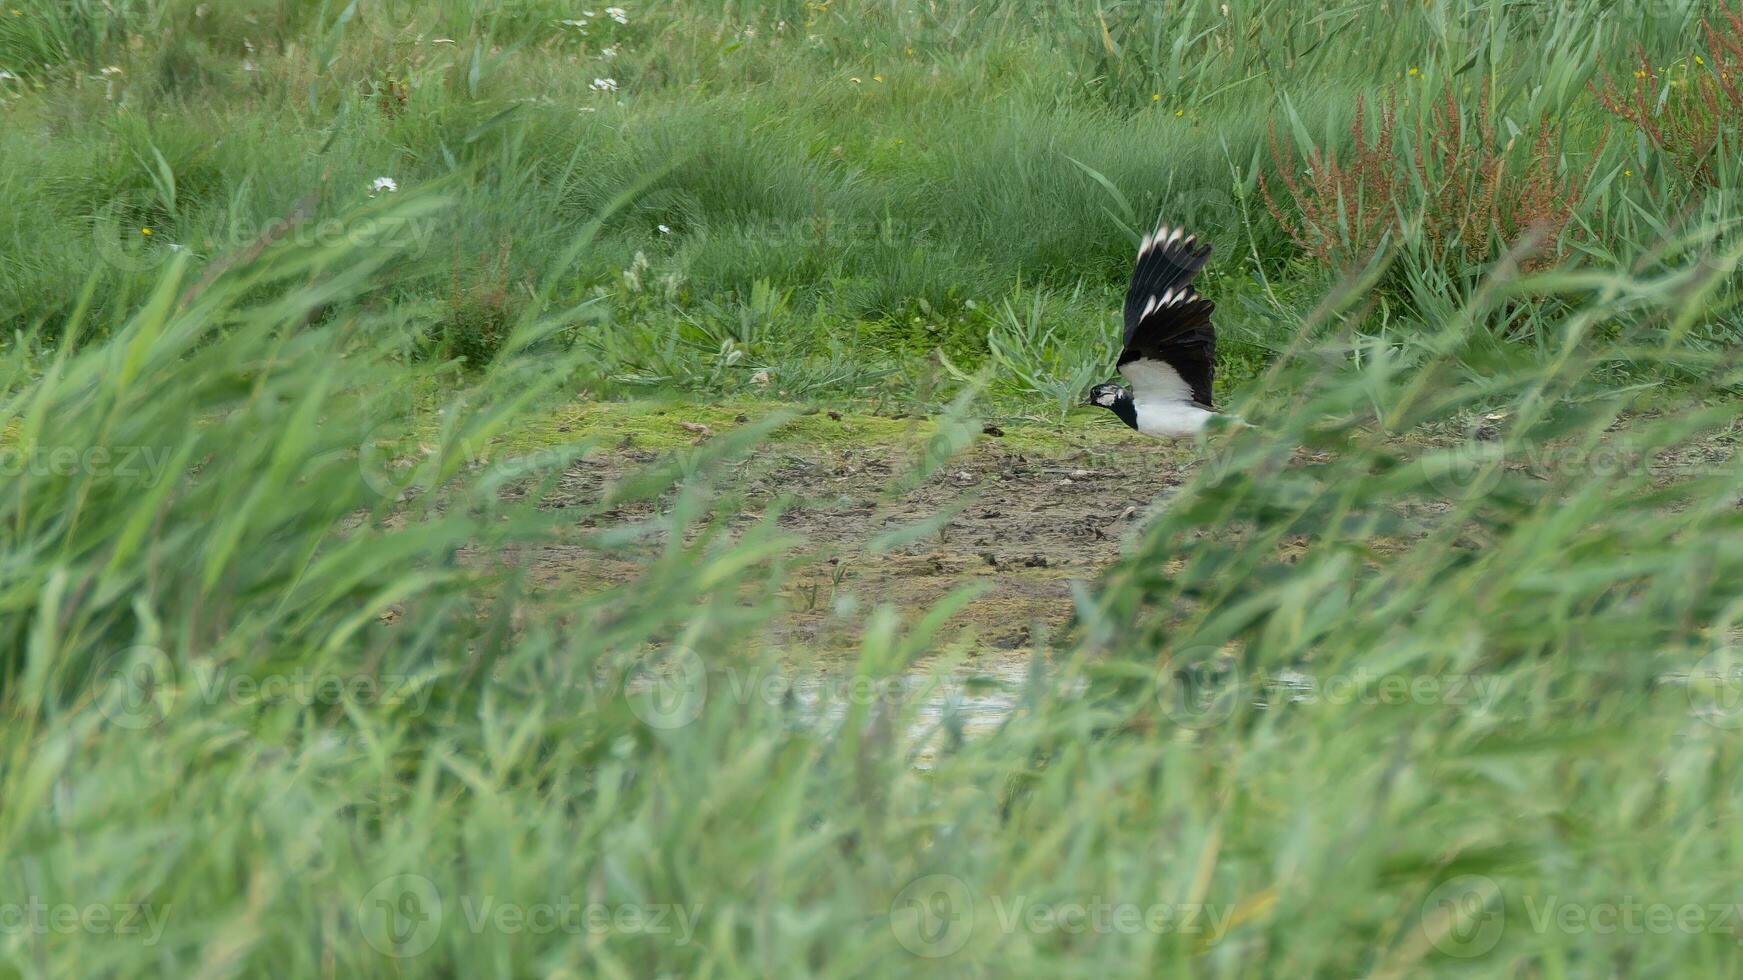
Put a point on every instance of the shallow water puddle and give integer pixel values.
(977, 698)
(967, 701)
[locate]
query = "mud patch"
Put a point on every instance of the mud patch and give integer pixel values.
(1019, 522)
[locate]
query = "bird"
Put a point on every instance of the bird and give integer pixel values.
(1169, 352)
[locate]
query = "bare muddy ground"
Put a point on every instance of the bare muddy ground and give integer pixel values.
(1021, 516)
(1020, 521)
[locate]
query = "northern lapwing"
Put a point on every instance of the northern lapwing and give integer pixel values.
(1169, 354)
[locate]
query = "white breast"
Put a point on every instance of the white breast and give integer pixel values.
(1163, 401)
(1170, 419)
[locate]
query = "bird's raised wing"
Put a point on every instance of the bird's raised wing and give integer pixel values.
(1167, 261)
(1171, 355)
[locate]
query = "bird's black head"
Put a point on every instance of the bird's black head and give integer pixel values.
(1108, 395)
(1116, 400)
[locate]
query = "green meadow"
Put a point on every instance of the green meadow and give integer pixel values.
(540, 488)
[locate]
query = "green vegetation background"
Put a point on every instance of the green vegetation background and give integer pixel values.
(1506, 225)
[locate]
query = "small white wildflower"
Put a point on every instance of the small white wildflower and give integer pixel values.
(609, 51)
(750, 32)
(582, 22)
(632, 276)
(617, 14)
(383, 185)
(6, 76)
(604, 85)
(112, 70)
(588, 13)
(588, 108)
(665, 230)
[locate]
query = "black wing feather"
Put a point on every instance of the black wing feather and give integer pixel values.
(1179, 335)
(1167, 261)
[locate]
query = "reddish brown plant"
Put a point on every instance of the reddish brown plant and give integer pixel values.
(1478, 198)
(1344, 207)
(1474, 194)
(1686, 113)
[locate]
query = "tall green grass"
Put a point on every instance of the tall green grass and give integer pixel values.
(1432, 670)
(901, 171)
(279, 701)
